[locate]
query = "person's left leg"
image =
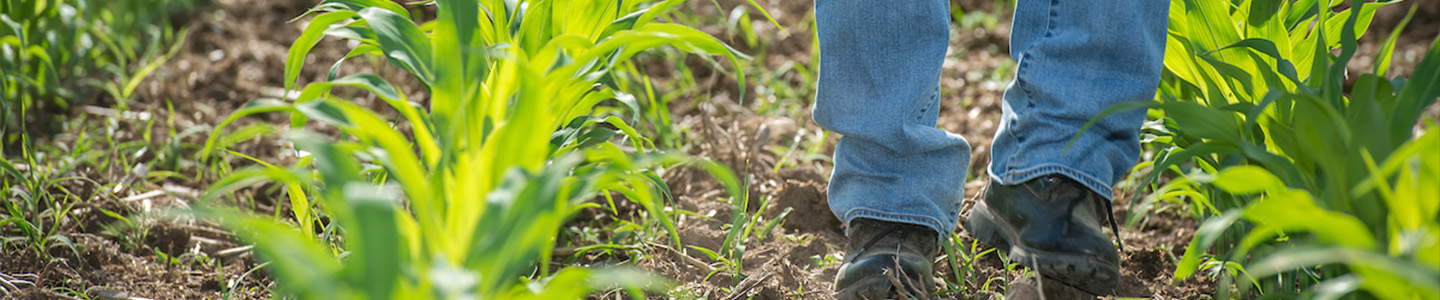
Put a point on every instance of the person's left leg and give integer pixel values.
(1048, 199)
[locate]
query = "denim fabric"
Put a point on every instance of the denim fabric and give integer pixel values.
(880, 66)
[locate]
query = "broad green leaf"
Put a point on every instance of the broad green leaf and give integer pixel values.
(1247, 180)
(1267, 47)
(1215, 27)
(423, 136)
(402, 41)
(1179, 58)
(1231, 73)
(326, 112)
(1296, 210)
(1202, 121)
(295, 59)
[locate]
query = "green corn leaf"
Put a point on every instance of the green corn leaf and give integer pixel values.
(1296, 210)
(10, 169)
(1279, 165)
(368, 213)
(1247, 180)
(1205, 237)
(299, 203)
(423, 135)
(1261, 12)
(1179, 58)
(144, 71)
(1421, 90)
(1408, 280)
(640, 17)
(325, 112)
(258, 106)
(1112, 109)
(1299, 11)
(579, 134)
(295, 59)
(402, 41)
(357, 51)
(307, 269)
(606, 278)
(1216, 28)
(768, 17)
(1203, 122)
(1231, 74)
(1268, 48)
(355, 5)
(354, 31)
(1387, 49)
(1336, 23)
(243, 178)
(376, 243)
(399, 157)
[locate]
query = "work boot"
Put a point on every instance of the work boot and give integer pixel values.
(1053, 225)
(882, 253)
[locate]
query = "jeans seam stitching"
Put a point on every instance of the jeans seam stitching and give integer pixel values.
(915, 110)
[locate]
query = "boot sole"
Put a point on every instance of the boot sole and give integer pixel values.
(1081, 271)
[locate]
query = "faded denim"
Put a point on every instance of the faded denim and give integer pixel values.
(880, 67)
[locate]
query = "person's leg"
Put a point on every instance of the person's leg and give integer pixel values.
(1076, 58)
(898, 181)
(879, 88)
(1046, 202)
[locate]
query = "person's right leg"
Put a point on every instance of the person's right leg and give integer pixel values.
(898, 181)
(1046, 203)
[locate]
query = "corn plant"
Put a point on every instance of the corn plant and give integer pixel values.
(1407, 267)
(1252, 84)
(466, 202)
(58, 53)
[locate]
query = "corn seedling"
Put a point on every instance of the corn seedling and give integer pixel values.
(36, 205)
(466, 202)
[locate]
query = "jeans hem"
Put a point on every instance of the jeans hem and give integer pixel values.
(933, 223)
(1013, 177)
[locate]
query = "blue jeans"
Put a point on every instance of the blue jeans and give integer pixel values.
(880, 66)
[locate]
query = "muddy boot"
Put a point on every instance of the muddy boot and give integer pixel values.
(1053, 225)
(880, 254)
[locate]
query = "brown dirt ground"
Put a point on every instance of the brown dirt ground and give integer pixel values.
(235, 53)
